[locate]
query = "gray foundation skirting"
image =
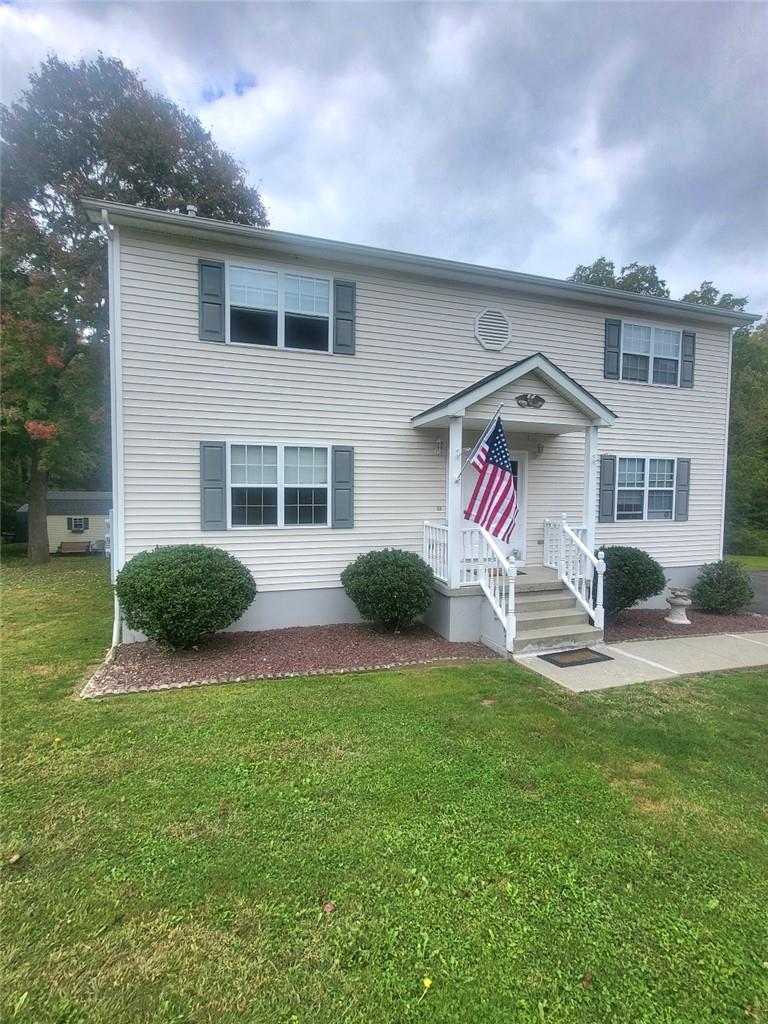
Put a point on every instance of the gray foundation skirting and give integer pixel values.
(455, 614)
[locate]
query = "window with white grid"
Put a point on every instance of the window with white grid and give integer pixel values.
(278, 485)
(645, 488)
(650, 354)
(273, 307)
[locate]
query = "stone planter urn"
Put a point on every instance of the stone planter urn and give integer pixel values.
(678, 601)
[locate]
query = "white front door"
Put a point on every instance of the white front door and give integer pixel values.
(519, 471)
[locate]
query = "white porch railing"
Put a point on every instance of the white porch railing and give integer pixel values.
(481, 563)
(578, 568)
(435, 552)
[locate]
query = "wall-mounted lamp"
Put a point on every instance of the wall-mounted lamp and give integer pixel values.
(529, 401)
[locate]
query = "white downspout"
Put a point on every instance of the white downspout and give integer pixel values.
(116, 421)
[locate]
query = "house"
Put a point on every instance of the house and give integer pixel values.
(299, 401)
(73, 517)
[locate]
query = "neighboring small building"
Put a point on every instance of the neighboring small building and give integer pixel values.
(72, 516)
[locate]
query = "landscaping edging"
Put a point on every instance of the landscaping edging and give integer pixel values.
(649, 624)
(274, 654)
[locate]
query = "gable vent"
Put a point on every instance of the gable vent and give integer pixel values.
(492, 329)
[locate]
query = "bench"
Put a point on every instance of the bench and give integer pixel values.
(74, 547)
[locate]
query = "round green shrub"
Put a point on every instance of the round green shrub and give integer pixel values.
(390, 587)
(182, 594)
(722, 587)
(631, 575)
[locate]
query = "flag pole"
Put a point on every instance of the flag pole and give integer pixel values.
(471, 455)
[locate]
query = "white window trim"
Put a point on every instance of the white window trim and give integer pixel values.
(281, 446)
(85, 520)
(281, 271)
(650, 381)
(646, 458)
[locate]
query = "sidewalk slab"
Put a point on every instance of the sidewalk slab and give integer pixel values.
(642, 661)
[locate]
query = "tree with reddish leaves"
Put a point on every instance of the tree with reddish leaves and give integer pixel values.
(90, 128)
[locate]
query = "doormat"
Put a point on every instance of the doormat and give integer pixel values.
(570, 659)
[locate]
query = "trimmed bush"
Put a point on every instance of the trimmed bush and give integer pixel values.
(390, 587)
(631, 575)
(182, 594)
(722, 588)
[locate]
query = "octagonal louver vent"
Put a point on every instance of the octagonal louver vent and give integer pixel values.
(492, 329)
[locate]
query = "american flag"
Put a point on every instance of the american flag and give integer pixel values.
(493, 504)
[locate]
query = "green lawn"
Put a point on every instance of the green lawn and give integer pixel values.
(541, 857)
(752, 563)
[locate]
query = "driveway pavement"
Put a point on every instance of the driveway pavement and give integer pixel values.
(760, 583)
(641, 661)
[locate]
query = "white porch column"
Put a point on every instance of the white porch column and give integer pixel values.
(454, 511)
(590, 485)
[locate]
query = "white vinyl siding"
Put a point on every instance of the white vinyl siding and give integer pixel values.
(415, 346)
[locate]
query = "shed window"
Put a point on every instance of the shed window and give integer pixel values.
(77, 524)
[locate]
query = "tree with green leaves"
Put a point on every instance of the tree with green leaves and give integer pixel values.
(635, 277)
(90, 128)
(747, 496)
(707, 295)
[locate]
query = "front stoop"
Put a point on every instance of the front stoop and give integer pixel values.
(550, 619)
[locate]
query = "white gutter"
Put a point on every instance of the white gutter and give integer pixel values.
(116, 413)
(429, 266)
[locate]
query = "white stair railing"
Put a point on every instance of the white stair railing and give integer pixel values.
(579, 569)
(497, 580)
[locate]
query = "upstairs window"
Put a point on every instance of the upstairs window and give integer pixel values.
(645, 488)
(650, 354)
(272, 307)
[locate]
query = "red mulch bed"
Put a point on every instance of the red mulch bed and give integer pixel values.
(649, 624)
(275, 653)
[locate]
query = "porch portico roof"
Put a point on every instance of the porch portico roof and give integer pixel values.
(595, 413)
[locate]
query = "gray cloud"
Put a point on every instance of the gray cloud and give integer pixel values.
(532, 136)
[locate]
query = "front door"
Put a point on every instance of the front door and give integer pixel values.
(516, 544)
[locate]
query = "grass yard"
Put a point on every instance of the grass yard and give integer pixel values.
(538, 856)
(752, 563)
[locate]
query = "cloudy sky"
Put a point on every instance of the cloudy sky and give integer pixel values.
(528, 136)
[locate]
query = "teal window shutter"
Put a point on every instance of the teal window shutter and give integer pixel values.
(213, 485)
(210, 279)
(612, 351)
(607, 497)
(344, 312)
(682, 489)
(687, 359)
(343, 487)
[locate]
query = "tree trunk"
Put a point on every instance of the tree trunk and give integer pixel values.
(37, 545)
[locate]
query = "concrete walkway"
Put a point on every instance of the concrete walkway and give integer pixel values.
(640, 661)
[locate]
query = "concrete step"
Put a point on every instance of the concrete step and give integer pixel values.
(554, 618)
(556, 639)
(533, 601)
(523, 586)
